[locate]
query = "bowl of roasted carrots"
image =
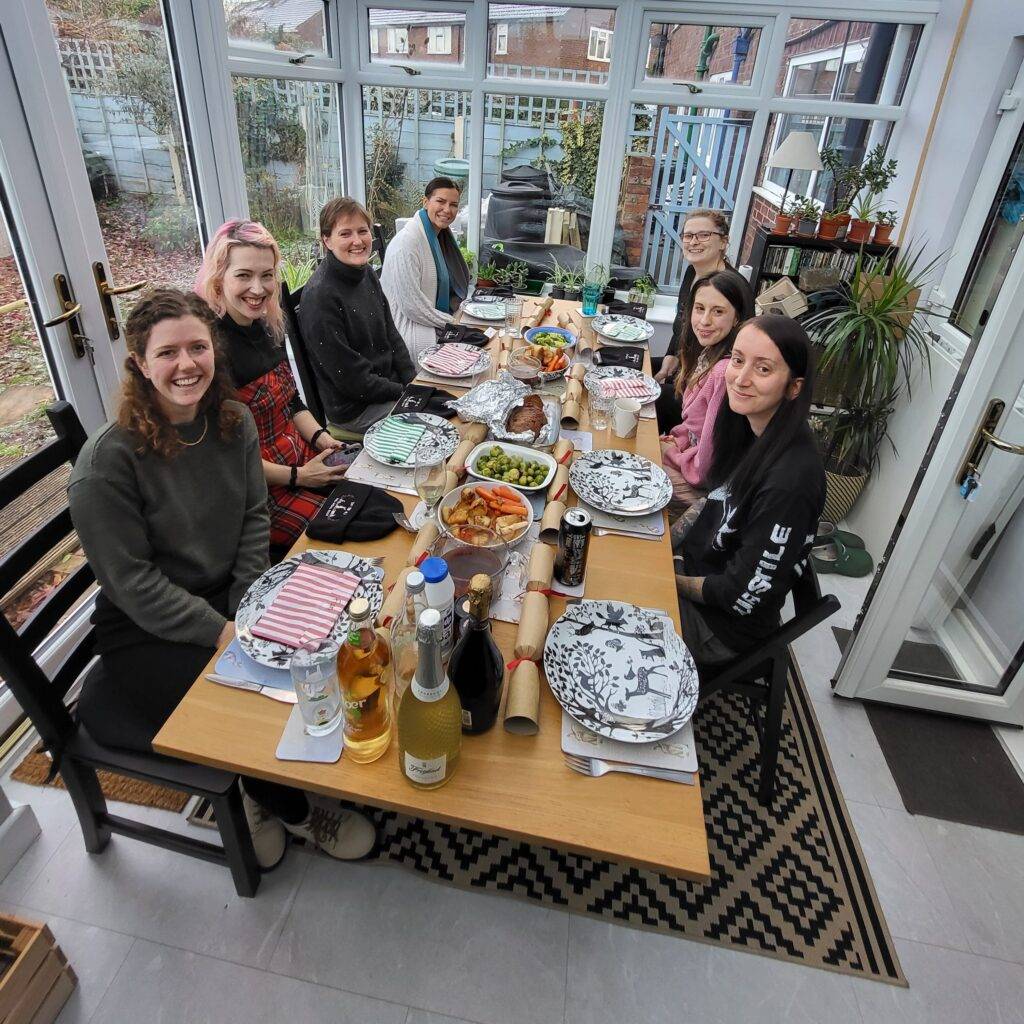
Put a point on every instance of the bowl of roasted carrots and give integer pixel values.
(553, 361)
(497, 507)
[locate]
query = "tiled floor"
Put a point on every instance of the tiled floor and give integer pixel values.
(158, 937)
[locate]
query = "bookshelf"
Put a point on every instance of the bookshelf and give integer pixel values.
(775, 256)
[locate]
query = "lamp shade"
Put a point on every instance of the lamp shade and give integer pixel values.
(798, 152)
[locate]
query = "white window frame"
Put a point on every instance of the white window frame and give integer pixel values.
(501, 39)
(374, 41)
(442, 44)
(600, 42)
(398, 40)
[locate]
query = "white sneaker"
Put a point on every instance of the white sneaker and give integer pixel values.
(268, 837)
(338, 831)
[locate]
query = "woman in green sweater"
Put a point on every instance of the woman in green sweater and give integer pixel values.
(170, 503)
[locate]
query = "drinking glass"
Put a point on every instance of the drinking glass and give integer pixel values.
(513, 317)
(429, 479)
(314, 672)
(591, 293)
(482, 551)
(600, 408)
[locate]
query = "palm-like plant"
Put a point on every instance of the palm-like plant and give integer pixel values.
(868, 346)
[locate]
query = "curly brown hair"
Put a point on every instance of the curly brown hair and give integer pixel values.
(139, 411)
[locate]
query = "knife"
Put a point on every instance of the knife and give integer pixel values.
(284, 696)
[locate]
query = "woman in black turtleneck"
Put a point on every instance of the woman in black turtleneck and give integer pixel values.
(360, 360)
(239, 280)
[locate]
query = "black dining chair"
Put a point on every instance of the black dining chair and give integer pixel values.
(380, 245)
(760, 675)
(300, 353)
(42, 693)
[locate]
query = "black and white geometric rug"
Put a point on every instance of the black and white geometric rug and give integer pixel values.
(788, 882)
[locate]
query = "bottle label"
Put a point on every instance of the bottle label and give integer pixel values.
(426, 770)
(467, 719)
(447, 625)
(355, 709)
(428, 696)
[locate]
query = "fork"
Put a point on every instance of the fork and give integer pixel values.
(595, 768)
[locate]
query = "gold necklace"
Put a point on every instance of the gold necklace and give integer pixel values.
(198, 440)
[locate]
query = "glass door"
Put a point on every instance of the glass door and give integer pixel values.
(942, 628)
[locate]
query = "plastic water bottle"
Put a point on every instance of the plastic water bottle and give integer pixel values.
(440, 594)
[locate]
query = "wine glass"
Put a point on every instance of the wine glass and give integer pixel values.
(429, 479)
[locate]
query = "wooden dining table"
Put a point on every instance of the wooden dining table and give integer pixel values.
(510, 785)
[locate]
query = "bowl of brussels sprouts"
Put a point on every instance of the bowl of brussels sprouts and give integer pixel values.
(512, 464)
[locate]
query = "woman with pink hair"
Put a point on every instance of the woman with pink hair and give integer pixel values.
(239, 281)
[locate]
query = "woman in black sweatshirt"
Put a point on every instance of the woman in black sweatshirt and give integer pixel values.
(360, 360)
(767, 480)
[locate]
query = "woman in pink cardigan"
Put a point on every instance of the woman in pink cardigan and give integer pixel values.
(719, 303)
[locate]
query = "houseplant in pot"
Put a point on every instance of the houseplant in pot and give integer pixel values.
(844, 181)
(868, 343)
(513, 274)
(573, 285)
(876, 172)
(784, 218)
(884, 223)
(485, 277)
(558, 274)
(805, 213)
(642, 290)
(864, 208)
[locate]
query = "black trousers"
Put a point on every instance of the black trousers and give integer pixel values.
(141, 684)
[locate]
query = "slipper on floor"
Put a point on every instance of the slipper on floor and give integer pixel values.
(827, 532)
(835, 556)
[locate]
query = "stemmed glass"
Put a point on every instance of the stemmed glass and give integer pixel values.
(429, 479)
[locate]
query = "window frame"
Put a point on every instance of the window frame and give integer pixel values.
(600, 36)
(445, 44)
(501, 30)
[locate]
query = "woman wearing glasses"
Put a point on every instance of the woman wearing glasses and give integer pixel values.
(705, 237)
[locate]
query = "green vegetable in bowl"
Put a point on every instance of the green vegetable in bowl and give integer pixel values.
(510, 469)
(549, 339)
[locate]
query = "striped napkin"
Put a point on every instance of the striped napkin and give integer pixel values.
(307, 606)
(624, 387)
(451, 359)
(396, 439)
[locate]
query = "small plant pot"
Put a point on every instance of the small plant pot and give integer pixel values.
(841, 493)
(557, 291)
(859, 231)
(533, 286)
(883, 234)
(485, 282)
(608, 295)
(806, 226)
(783, 224)
(573, 294)
(828, 228)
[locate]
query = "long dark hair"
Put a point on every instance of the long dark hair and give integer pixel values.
(740, 456)
(735, 290)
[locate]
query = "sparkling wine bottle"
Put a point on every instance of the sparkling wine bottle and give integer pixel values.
(429, 716)
(476, 668)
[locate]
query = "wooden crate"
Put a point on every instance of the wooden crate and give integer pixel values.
(38, 982)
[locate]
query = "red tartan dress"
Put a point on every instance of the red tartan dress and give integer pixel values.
(269, 399)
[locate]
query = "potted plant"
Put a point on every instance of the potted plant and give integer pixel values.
(805, 212)
(487, 275)
(573, 284)
(884, 223)
(868, 345)
(558, 274)
(643, 290)
(513, 274)
(864, 209)
(784, 218)
(844, 182)
(877, 173)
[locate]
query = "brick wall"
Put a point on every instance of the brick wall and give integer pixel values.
(636, 193)
(761, 212)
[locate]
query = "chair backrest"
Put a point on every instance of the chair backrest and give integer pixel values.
(40, 697)
(300, 353)
(380, 245)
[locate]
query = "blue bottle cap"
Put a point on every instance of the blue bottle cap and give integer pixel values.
(434, 569)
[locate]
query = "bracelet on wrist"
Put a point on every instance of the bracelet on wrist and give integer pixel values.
(294, 478)
(316, 436)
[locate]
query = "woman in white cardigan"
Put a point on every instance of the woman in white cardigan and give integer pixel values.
(424, 276)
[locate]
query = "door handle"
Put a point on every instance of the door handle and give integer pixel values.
(1003, 446)
(70, 317)
(107, 291)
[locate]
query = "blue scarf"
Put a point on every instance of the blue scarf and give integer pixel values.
(442, 301)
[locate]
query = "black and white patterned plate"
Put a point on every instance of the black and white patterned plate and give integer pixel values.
(620, 482)
(483, 360)
(261, 594)
(621, 671)
(634, 329)
(598, 373)
(440, 439)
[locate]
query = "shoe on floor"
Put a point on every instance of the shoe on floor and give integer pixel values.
(338, 831)
(838, 558)
(828, 532)
(268, 837)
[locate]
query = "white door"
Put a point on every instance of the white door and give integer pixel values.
(942, 628)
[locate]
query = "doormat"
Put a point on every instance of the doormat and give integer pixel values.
(913, 659)
(34, 769)
(949, 768)
(789, 882)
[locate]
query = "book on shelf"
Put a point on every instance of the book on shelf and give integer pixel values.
(788, 261)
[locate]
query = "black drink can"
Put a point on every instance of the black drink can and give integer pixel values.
(573, 542)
